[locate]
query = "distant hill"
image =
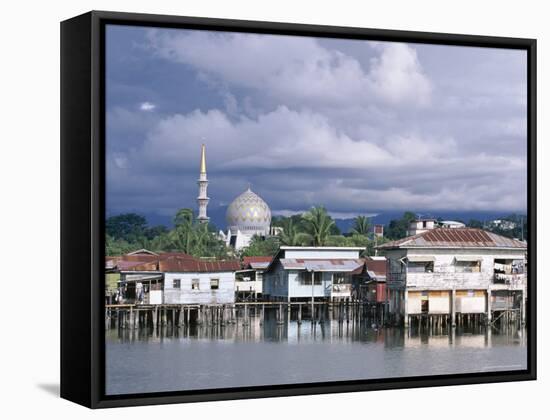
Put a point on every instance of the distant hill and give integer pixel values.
(384, 217)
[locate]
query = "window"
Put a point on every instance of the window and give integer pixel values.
(195, 284)
(508, 266)
(176, 284)
(420, 267)
(318, 277)
(468, 266)
(305, 277)
(214, 284)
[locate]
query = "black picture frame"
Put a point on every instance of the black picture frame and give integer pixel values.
(83, 207)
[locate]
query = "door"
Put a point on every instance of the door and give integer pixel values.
(425, 306)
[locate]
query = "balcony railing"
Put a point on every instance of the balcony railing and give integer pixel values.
(341, 288)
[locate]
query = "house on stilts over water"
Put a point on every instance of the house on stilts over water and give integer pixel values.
(456, 275)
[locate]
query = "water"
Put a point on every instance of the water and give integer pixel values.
(194, 358)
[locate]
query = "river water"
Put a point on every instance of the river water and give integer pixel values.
(193, 358)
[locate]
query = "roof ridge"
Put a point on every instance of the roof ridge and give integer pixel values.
(448, 237)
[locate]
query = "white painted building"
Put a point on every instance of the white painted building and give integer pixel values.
(179, 280)
(451, 224)
(449, 271)
(203, 288)
(312, 273)
(249, 280)
(421, 225)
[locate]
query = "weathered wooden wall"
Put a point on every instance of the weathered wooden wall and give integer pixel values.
(204, 295)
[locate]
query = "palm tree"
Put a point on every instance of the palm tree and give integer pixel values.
(202, 240)
(290, 235)
(361, 225)
(182, 236)
(160, 242)
(184, 217)
(318, 225)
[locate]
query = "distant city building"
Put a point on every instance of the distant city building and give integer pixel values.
(420, 225)
(502, 224)
(275, 231)
(451, 224)
(377, 230)
(456, 271)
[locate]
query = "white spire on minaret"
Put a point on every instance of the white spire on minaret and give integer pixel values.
(203, 199)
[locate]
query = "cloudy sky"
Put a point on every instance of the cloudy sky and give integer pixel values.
(357, 126)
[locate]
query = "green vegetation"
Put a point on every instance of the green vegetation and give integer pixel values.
(260, 247)
(111, 280)
(397, 228)
(129, 232)
(131, 227)
(318, 225)
(512, 226)
(314, 228)
(361, 225)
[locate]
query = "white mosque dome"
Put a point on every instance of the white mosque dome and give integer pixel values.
(249, 214)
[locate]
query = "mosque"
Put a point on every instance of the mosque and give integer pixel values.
(247, 215)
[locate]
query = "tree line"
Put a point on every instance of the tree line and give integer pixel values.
(128, 232)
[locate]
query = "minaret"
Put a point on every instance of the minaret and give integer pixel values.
(203, 199)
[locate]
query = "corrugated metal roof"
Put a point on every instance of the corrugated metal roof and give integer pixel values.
(248, 260)
(259, 266)
(379, 267)
(181, 265)
(142, 258)
(335, 265)
(258, 263)
(126, 265)
(455, 238)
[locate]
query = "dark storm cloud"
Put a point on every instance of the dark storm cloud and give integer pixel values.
(356, 126)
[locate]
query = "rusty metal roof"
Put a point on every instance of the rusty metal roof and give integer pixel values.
(455, 238)
(145, 257)
(170, 262)
(378, 267)
(127, 265)
(182, 265)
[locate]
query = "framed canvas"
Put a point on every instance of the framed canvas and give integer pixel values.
(254, 209)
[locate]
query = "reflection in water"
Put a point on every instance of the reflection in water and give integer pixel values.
(217, 356)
